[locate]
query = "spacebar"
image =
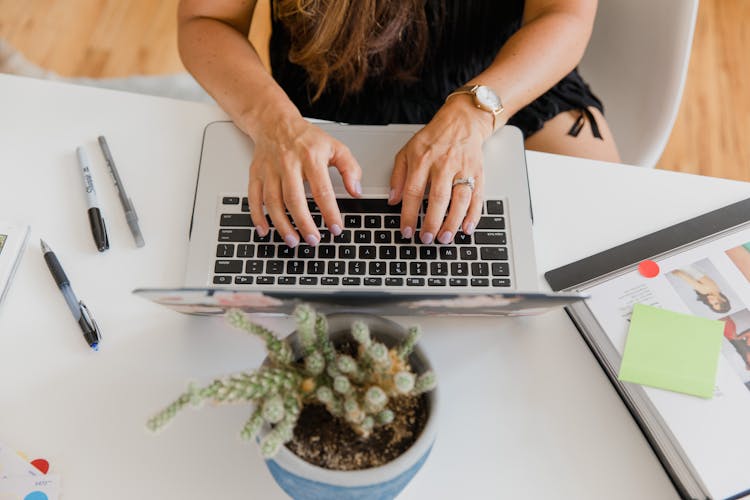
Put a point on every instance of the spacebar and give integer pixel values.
(367, 205)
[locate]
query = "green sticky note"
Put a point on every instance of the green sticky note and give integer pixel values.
(673, 351)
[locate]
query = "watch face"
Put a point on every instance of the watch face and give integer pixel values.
(487, 99)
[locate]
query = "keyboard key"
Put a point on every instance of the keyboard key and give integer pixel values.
(373, 221)
(449, 252)
(329, 280)
(458, 282)
(353, 221)
(243, 280)
(495, 207)
(265, 280)
(344, 237)
(262, 239)
(325, 236)
(493, 253)
(428, 252)
(246, 251)
(347, 252)
(383, 237)
(373, 281)
(467, 253)
(285, 252)
(480, 269)
(351, 281)
(326, 252)
(253, 267)
(376, 268)
(394, 281)
(418, 268)
(415, 281)
(491, 223)
(399, 238)
(295, 266)
(316, 267)
(392, 221)
(277, 238)
(305, 252)
(287, 280)
(275, 267)
(236, 235)
(235, 220)
(436, 281)
(222, 280)
(501, 282)
(230, 200)
(397, 268)
(228, 266)
(500, 269)
(407, 252)
(480, 282)
(387, 252)
(318, 220)
(368, 206)
(439, 268)
(362, 237)
(459, 268)
(367, 252)
(336, 267)
(490, 238)
(356, 268)
(462, 239)
(266, 251)
(225, 250)
(308, 280)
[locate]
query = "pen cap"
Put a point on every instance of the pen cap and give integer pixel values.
(98, 229)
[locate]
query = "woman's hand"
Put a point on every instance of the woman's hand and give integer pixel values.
(287, 153)
(446, 149)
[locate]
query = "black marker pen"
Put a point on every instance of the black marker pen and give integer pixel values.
(98, 229)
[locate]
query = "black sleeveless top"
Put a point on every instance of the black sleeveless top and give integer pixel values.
(464, 39)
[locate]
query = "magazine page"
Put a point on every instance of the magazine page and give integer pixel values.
(712, 281)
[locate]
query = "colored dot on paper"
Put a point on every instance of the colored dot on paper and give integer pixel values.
(41, 464)
(36, 495)
(648, 269)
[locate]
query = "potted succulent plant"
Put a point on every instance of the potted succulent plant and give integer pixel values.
(344, 407)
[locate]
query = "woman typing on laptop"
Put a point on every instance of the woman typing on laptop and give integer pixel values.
(463, 67)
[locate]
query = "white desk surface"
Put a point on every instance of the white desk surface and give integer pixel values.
(532, 414)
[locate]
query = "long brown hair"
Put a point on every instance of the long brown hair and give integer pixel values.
(345, 41)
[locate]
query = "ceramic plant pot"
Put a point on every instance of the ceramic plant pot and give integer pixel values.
(303, 480)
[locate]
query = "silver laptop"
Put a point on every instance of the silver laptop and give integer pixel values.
(371, 254)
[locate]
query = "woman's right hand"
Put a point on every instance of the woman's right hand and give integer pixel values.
(287, 153)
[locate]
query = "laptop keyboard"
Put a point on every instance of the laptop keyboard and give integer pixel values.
(370, 252)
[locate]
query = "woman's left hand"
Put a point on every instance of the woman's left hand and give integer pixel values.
(447, 149)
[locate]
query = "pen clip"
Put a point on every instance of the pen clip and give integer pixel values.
(88, 325)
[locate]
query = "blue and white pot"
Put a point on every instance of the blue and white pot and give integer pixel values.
(303, 480)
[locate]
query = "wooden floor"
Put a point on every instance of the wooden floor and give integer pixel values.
(100, 38)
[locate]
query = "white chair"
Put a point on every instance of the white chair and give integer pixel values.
(636, 62)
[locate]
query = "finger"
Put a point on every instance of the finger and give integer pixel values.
(437, 204)
(255, 203)
(413, 193)
(296, 202)
(474, 211)
(348, 167)
(323, 194)
(398, 178)
(460, 199)
(274, 201)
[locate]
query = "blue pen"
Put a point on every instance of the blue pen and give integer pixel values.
(80, 312)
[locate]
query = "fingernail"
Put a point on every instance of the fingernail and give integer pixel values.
(291, 240)
(426, 237)
(470, 228)
(311, 240)
(335, 230)
(392, 196)
(446, 237)
(358, 187)
(407, 232)
(262, 231)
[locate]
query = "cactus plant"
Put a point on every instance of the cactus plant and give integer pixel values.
(356, 387)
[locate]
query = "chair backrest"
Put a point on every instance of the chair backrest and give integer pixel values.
(636, 62)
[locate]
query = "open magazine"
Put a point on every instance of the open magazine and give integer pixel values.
(703, 443)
